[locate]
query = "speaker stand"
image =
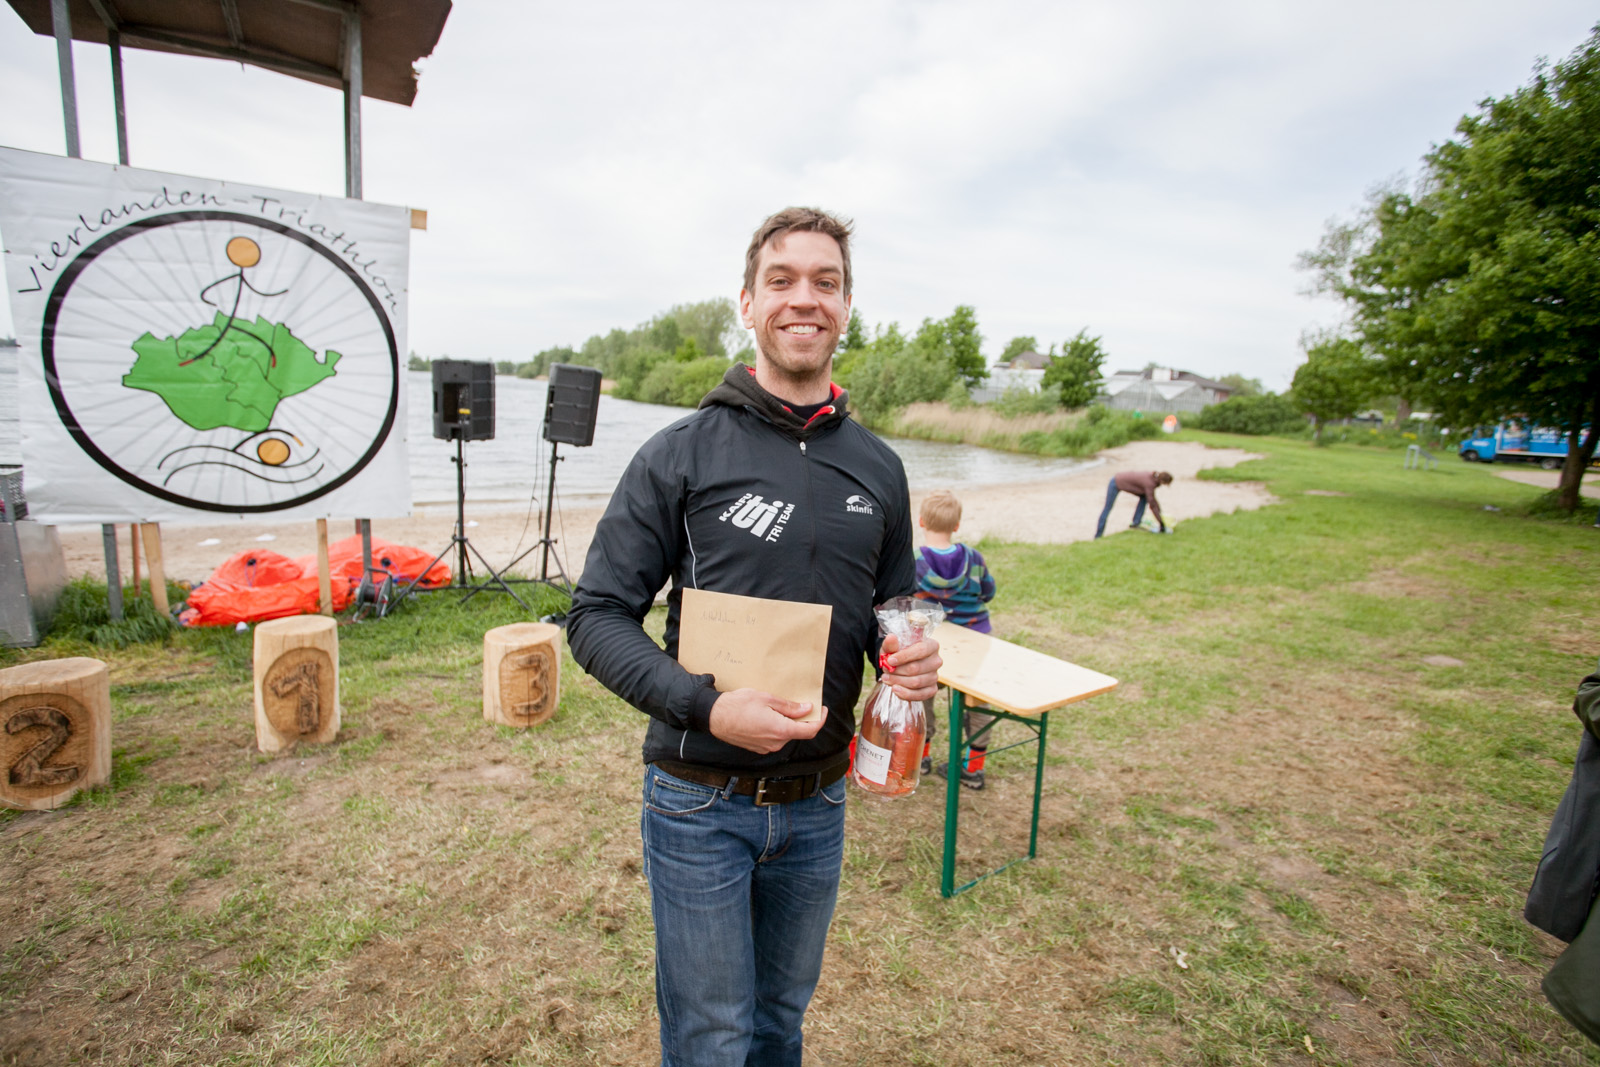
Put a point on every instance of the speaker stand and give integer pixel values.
(547, 543)
(459, 542)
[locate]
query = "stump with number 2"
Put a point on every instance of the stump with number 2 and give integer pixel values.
(55, 731)
(296, 682)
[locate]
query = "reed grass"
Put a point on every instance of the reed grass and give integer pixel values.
(1060, 433)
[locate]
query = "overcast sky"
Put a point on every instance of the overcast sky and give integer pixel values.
(1148, 169)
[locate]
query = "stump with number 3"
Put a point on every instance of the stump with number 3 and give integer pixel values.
(55, 731)
(296, 682)
(521, 673)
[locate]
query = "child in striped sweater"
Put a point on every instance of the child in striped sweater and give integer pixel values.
(954, 576)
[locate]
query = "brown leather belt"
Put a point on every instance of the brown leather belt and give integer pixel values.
(780, 789)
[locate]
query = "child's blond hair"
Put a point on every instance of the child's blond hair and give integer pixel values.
(941, 511)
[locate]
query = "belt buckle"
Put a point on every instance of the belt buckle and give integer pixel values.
(760, 795)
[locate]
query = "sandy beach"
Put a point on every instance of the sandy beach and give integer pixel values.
(1046, 512)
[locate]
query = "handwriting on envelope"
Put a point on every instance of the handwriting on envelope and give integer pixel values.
(776, 646)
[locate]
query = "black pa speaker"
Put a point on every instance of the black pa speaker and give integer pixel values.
(463, 400)
(572, 404)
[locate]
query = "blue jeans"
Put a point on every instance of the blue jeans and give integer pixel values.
(1111, 498)
(741, 897)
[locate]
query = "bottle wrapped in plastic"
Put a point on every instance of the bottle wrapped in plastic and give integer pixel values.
(888, 758)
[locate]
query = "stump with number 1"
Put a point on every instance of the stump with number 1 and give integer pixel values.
(296, 682)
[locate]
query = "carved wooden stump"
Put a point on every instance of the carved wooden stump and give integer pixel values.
(56, 736)
(521, 673)
(296, 682)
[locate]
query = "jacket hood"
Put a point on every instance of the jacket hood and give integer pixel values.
(739, 389)
(946, 569)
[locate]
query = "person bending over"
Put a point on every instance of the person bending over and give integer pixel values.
(1141, 484)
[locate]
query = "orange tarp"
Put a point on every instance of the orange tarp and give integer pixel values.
(258, 584)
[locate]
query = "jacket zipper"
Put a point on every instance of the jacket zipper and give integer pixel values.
(811, 510)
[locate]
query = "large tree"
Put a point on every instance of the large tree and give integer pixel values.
(1075, 373)
(1480, 289)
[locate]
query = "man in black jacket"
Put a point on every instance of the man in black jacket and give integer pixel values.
(768, 490)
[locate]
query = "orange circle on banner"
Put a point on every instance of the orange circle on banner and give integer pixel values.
(272, 451)
(243, 252)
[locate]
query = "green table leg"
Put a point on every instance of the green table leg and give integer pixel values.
(1038, 785)
(952, 794)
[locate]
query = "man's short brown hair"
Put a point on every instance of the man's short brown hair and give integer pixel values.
(790, 220)
(941, 511)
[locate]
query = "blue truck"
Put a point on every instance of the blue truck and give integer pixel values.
(1515, 440)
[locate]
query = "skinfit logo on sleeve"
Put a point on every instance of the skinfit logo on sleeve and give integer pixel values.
(765, 519)
(858, 503)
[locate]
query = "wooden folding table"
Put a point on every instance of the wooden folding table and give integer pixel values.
(1018, 684)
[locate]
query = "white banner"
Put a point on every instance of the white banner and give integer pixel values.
(194, 349)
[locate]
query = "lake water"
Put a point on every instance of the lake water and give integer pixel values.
(513, 468)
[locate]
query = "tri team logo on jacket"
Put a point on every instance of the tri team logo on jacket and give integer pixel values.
(763, 518)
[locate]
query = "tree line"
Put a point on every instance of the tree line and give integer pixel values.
(680, 354)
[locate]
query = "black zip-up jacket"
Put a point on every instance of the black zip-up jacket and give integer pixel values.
(744, 497)
(1568, 875)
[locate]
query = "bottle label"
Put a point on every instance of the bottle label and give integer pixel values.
(872, 761)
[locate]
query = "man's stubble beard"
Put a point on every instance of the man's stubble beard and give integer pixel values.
(805, 371)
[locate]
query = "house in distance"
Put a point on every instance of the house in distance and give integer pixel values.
(1161, 389)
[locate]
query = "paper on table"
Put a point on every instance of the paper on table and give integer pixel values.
(776, 646)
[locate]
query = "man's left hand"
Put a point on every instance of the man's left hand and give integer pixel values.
(913, 671)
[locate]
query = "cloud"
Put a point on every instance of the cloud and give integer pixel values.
(1147, 169)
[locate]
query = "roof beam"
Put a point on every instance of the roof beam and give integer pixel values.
(244, 54)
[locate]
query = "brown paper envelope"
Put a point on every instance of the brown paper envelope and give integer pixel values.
(776, 646)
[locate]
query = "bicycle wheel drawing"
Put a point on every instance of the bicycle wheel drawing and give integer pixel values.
(221, 361)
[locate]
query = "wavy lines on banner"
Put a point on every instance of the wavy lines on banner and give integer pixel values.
(267, 455)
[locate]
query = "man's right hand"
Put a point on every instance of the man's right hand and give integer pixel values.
(760, 722)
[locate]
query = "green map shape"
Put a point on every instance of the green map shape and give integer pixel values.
(236, 383)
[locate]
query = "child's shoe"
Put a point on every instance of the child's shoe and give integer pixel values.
(969, 779)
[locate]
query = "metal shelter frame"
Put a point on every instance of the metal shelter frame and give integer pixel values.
(113, 19)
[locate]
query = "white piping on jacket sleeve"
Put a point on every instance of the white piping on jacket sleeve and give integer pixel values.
(694, 560)
(694, 583)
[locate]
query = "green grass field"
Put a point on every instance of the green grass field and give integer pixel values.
(1299, 832)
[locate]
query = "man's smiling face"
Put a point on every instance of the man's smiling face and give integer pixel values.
(798, 309)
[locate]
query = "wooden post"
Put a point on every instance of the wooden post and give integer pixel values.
(521, 673)
(133, 550)
(324, 575)
(56, 740)
(151, 532)
(108, 539)
(296, 682)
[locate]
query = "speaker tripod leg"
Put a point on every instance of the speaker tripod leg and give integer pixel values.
(486, 583)
(406, 590)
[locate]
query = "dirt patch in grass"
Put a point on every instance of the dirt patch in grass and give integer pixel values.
(1401, 583)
